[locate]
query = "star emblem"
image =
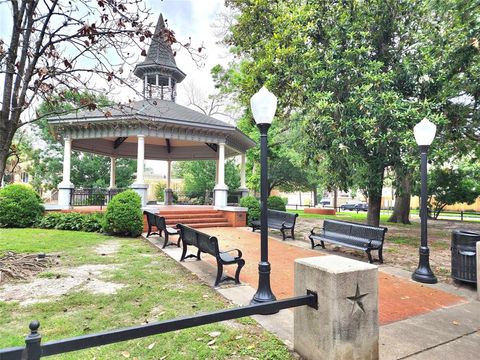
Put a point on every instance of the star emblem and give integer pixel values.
(356, 300)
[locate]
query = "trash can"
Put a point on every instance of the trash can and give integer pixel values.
(464, 255)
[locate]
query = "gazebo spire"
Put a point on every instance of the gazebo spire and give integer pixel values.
(159, 71)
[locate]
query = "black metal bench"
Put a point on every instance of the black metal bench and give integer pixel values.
(279, 220)
(352, 235)
(209, 244)
(154, 220)
(151, 223)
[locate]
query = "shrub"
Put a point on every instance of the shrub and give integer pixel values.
(160, 191)
(20, 206)
(72, 221)
(124, 215)
(50, 220)
(253, 206)
(92, 222)
(276, 203)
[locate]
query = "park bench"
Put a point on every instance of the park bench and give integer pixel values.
(154, 220)
(209, 244)
(352, 235)
(151, 223)
(279, 220)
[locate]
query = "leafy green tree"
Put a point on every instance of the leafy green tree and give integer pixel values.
(351, 72)
(447, 186)
(199, 176)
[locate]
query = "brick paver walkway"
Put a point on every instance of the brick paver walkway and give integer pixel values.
(398, 298)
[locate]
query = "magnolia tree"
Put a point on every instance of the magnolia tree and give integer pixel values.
(58, 45)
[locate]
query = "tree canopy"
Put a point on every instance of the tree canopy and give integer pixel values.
(356, 75)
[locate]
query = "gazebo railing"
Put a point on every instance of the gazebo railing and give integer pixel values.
(92, 196)
(182, 198)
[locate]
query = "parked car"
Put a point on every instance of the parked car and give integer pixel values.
(354, 207)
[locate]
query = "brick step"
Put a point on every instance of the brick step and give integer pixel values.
(194, 220)
(193, 211)
(207, 225)
(192, 216)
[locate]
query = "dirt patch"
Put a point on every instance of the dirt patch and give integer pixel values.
(85, 277)
(108, 249)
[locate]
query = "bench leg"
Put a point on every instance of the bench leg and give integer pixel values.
(178, 241)
(293, 234)
(198, 255)
(241, 263)
(219, 273)
(184, 252)
(149, 231)
(283, 234)
(370, 260)
(380, 255)
(165, 243)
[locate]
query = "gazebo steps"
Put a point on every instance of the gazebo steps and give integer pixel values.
(207, 225)
(191, 216)
(173, 222)
(196, 218)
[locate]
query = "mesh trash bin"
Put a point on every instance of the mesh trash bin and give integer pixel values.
(464, 255)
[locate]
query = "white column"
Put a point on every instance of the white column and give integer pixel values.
(221, 164)
(140, 159)
(139, 185)
(216, 171)
(243, 184)
(65, 187)
(67, 161)
(169, 173)
(168, 193)
(221, 190)
(112, 172)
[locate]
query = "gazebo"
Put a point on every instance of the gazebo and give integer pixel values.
(153, 128)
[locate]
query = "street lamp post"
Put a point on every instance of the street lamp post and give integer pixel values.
(424, 134)
(264, 105)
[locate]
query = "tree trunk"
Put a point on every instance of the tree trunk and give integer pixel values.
(374, 204)
(401, 210)
(335, 199)
(315, 200)
(6, 138)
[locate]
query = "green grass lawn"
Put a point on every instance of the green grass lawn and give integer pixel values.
(157, 288)
(342, 215)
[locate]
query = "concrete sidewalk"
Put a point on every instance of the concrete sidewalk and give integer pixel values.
(447, 330)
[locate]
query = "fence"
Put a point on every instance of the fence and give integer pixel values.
(182, 198)
(34, 349)
(92, 196)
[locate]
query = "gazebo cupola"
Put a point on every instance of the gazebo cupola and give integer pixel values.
(159, 72)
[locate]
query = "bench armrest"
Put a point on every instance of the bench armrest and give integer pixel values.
(239, 252)
(312, 232)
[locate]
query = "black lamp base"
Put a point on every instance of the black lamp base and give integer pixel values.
(264, 292)
(424, 275)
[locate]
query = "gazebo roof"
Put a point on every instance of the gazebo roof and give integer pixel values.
(172, 131)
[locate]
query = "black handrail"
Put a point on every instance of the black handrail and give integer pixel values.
(34, 350)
